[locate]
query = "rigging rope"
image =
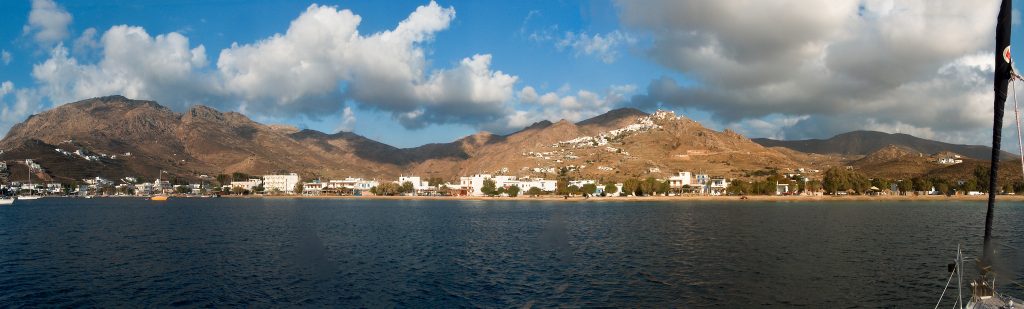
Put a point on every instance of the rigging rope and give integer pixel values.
(1016, 115)
(947, 286)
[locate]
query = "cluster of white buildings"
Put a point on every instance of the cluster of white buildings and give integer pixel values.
(700, 183)
(352, 185)
(270, 183)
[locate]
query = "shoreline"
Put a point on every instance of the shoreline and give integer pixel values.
(752, 198)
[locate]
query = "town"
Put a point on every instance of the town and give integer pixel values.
(835, 181)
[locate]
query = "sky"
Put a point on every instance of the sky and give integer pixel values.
(408, 73)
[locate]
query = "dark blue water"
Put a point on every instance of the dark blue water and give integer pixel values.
(361, 253)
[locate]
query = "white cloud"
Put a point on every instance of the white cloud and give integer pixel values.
(604, 47)
(47, 22)
(914, 66)
(135, 64)
(5, 56)
(25, 102)
(5, 88)
(348, 120)
(302, 69)
(86, 42)
(554, 106)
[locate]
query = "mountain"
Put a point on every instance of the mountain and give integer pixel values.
(867, 142)
(116, 137)
(141, 138)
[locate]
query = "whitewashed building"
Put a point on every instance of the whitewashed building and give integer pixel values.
(283, 183)
(680, 180)
(248, 184)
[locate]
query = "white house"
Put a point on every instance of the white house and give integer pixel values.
(540, 183)
(418, 184)
(717, 186)
(472, 184)
(678, 181)
(283, 183)
(248, 184)
(313, 188)
(781, 188)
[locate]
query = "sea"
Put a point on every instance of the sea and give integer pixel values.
(350, 253)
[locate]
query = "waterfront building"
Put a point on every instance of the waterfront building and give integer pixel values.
(282, 183)
(313, 188)
(680, 180)
(717, 186)
(540, 183)
(418, 185)
(248, 184)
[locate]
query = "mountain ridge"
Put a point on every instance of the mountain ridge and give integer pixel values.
(142, 138)
(863, 142)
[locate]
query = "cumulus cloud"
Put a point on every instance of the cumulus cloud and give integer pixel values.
(47, 22)
(562, 104)
(23, 103)
(604, 47)
(348, 120)
(135, 64)
(306, 68)
(86, 42)
(5, 88)
(5, 56)
(907, 66)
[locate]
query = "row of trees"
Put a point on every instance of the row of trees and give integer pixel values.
(841, 180)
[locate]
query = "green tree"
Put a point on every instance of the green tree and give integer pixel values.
(298, 188)
(407, 187)
(738, 187)
(388, 189)
(534, 191)
(589, 189)
(224, 179)
(905, 186)
(663, 188)
(239, 176)
(258, 189)
(813, 185)
(183, 189)
(610, 189)
(631, 187)
(574, 190)
(562, 187)
(513, 191)
(237, 190)
(649, 186)
(488, 188)
(436, 182)
(834, 180)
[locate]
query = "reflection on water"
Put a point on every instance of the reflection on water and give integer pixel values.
(360, 253)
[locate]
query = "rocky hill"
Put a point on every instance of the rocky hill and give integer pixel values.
(115, 137)
(867, 142)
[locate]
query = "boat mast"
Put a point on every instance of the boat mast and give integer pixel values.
(1002, 78)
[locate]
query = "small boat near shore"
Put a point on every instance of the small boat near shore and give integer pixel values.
(7, 200)
(29, 197)
(158, 198)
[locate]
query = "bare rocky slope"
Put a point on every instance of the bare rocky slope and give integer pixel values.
(115, 137)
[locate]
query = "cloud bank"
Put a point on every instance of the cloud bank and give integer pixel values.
(920, 67)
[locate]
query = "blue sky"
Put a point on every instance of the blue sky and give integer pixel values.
(763, 69)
